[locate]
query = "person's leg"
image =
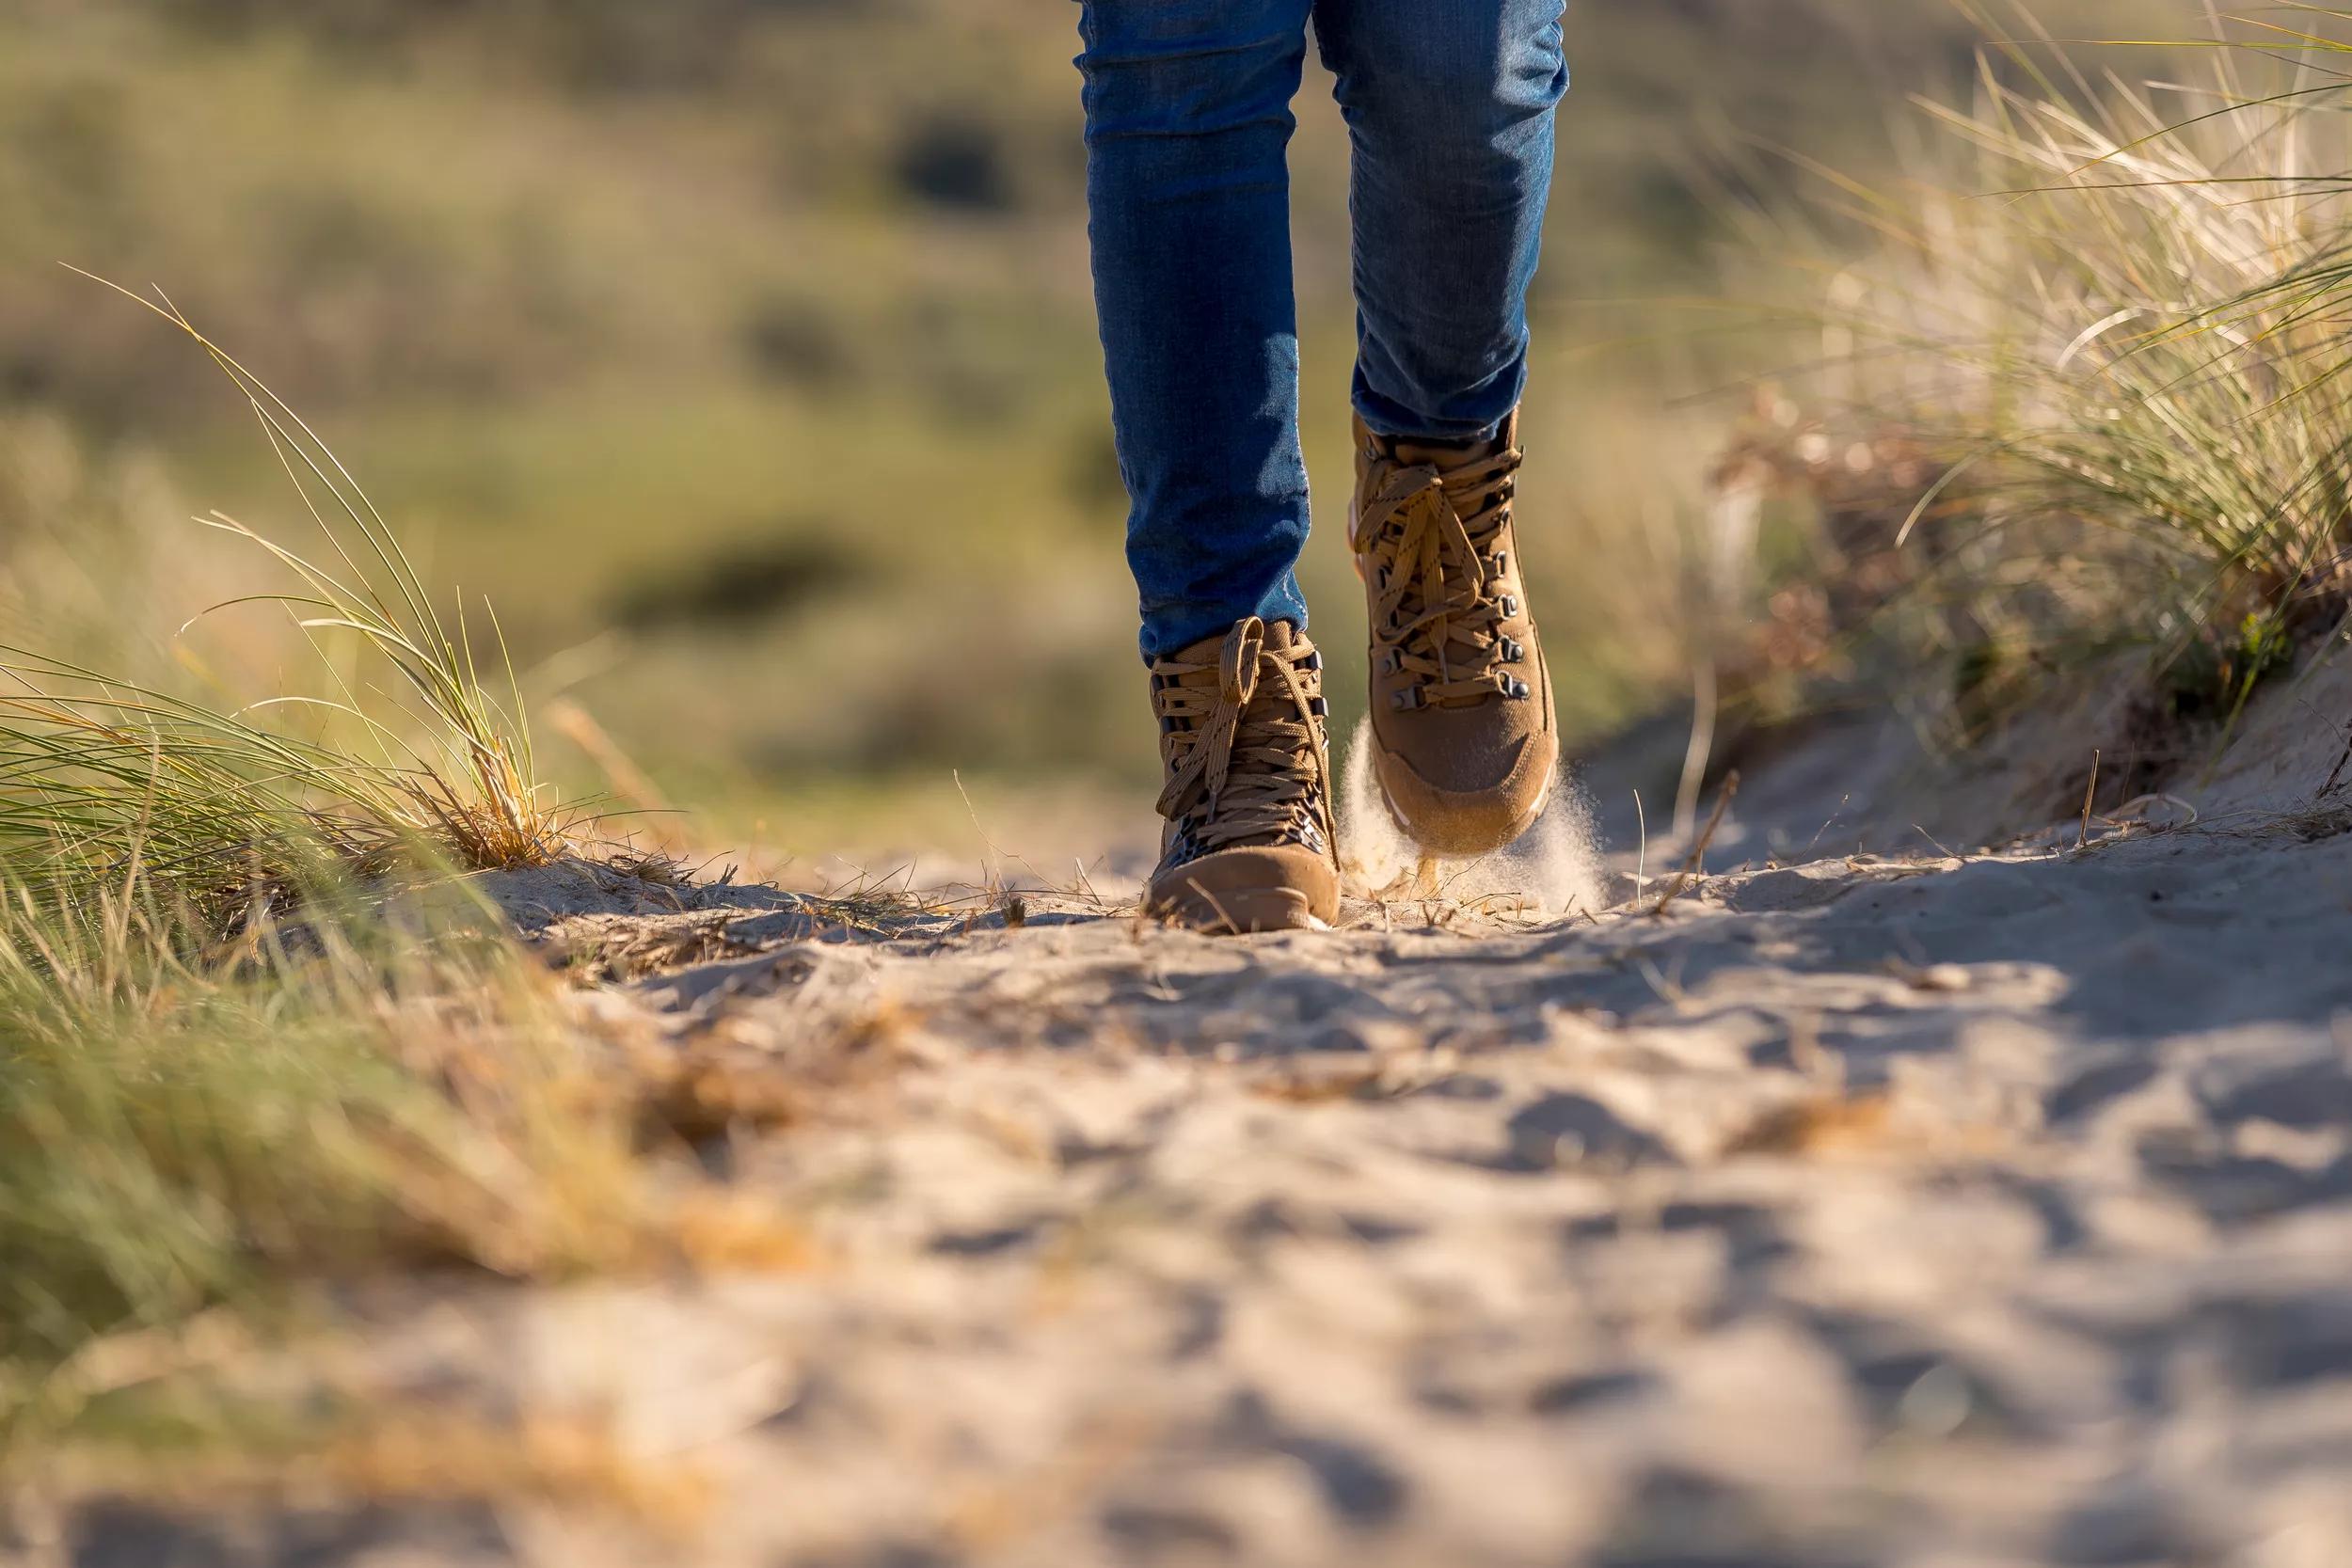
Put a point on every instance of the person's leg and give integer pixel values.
(1449, 105)
(1188, 128)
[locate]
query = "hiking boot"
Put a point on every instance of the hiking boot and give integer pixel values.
(1248, 844)
(1465, 743)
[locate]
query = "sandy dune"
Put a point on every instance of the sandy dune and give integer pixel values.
(1854, 1209)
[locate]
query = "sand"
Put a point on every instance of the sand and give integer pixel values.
(1867, 1204)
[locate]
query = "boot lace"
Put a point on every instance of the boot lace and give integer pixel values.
(1246, 758)
(1429, 541)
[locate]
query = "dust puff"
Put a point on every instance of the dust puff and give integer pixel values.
(1553, 870)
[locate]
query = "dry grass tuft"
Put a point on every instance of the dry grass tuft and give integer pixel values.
(235, 808)
(1821, 1126)
(178, 1135)
(401, 1456)
(743, 1076)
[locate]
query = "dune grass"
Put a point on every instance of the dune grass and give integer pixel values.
(218, 806)
(233, 1051)
(180, 1133)
(2118, 341)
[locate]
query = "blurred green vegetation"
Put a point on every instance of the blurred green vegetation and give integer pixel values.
(741, 352)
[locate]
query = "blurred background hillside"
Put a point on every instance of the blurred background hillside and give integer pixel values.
(740, 351)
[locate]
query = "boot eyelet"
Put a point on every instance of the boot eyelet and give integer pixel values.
(1513, 653)
(1410, 701)
(1510, 607)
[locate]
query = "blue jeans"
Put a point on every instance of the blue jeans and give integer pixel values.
(1449, 106)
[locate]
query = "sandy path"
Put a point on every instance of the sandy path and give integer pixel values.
(1935, 1213)
(1953, 1211)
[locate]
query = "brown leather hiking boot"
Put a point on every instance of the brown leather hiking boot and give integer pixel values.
(1465, 743)
(1248, 844)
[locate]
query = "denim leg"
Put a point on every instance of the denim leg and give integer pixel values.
(1450, 106)
(1188, 129)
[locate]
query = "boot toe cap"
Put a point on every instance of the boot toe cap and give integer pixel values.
(1477, 805)
(1247, 891)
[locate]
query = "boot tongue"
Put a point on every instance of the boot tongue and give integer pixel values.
(1280, 636)
(1444, 456)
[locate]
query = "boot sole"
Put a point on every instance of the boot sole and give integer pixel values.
(1519, 828)
(1238, 913)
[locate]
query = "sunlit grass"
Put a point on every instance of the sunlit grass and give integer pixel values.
(101, 778)
(2115, 340)
(182, 1132)
(235, 1051)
